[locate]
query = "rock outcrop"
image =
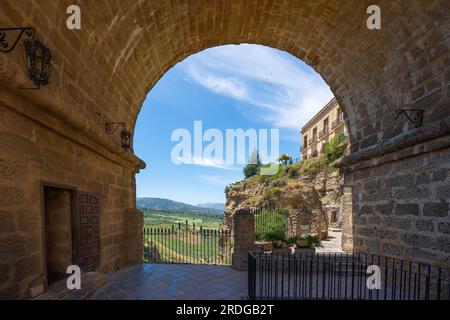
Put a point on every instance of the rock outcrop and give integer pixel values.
(312, 196)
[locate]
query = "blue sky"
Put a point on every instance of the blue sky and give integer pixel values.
(227, 87)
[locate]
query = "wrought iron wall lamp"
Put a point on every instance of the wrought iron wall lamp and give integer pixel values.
(36, 56)
(125, 135)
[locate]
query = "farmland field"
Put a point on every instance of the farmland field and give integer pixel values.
(165, 219)
(187, 244)
(185, 237)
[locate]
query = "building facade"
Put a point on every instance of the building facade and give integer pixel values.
(326, 124)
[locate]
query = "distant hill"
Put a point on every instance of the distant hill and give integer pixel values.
(170, 205)
(215, 206)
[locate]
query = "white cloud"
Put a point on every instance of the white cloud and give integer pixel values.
(218, 180)
(286, 93)
(206, 162)
(230, 86)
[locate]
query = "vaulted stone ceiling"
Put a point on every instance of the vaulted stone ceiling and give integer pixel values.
(104, 71)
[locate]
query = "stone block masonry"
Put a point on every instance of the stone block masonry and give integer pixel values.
(243, 235)
(31, 154)
(408, 214)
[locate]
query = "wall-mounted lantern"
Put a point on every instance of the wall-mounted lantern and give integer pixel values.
(38, 62)
(37, 57)
(125, 135)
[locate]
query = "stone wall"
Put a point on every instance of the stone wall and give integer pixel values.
(347, 220)
(243, 235)
(31, 153)
(329, 186)
(135, 236)
(401, 203)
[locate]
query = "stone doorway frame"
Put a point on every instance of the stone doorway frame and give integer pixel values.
(73, 196)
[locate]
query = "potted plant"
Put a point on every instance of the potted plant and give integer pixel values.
(263, 246)
(307, 244)
(280, 247)
(278, 239)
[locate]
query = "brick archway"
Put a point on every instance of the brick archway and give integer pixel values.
(102, 73)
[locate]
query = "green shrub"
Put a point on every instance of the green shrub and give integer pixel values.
(250, 170)
(292, 240)
(270, 225)
(334, 149)
(308, 241)
(272, 193)
(275, 235)
(279, 244)
(314, 165)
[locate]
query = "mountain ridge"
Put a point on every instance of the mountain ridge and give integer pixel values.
(171, 205)
(212, 205)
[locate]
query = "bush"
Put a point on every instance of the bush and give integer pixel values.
(313, 165)
(275, 235)
(292, 240)
(334, 149)
(272, 193)
(279, 244)
(270, 225)
(250, 170)
(308, 241)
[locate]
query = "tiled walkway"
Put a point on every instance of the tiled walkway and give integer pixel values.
(175, 281)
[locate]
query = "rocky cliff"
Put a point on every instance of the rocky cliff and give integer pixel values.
(311, 190)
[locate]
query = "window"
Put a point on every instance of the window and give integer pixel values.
(325, 125)
(305, 141)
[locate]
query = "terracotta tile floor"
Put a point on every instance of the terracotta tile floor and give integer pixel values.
(175, 282)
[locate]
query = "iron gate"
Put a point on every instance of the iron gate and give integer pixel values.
(184, 243)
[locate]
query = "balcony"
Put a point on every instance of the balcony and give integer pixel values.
(312, 140)
(338, 121)
(324, 132)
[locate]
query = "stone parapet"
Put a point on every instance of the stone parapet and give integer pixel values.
(243, 233)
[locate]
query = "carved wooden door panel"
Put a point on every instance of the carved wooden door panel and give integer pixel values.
(87, 231)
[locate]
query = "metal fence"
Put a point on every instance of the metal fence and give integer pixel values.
(269, 220)
(184, 243)
(335, 276)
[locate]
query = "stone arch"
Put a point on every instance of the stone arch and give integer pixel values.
(103, 72)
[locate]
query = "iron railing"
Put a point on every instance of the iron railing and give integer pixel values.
(339, 120)
(324, 131)
(344, 276)
(184, 243)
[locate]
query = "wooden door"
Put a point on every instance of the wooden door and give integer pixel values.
(87, 231)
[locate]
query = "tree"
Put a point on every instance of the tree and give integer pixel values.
(255, 158)
(284, 158)
(254, 163)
